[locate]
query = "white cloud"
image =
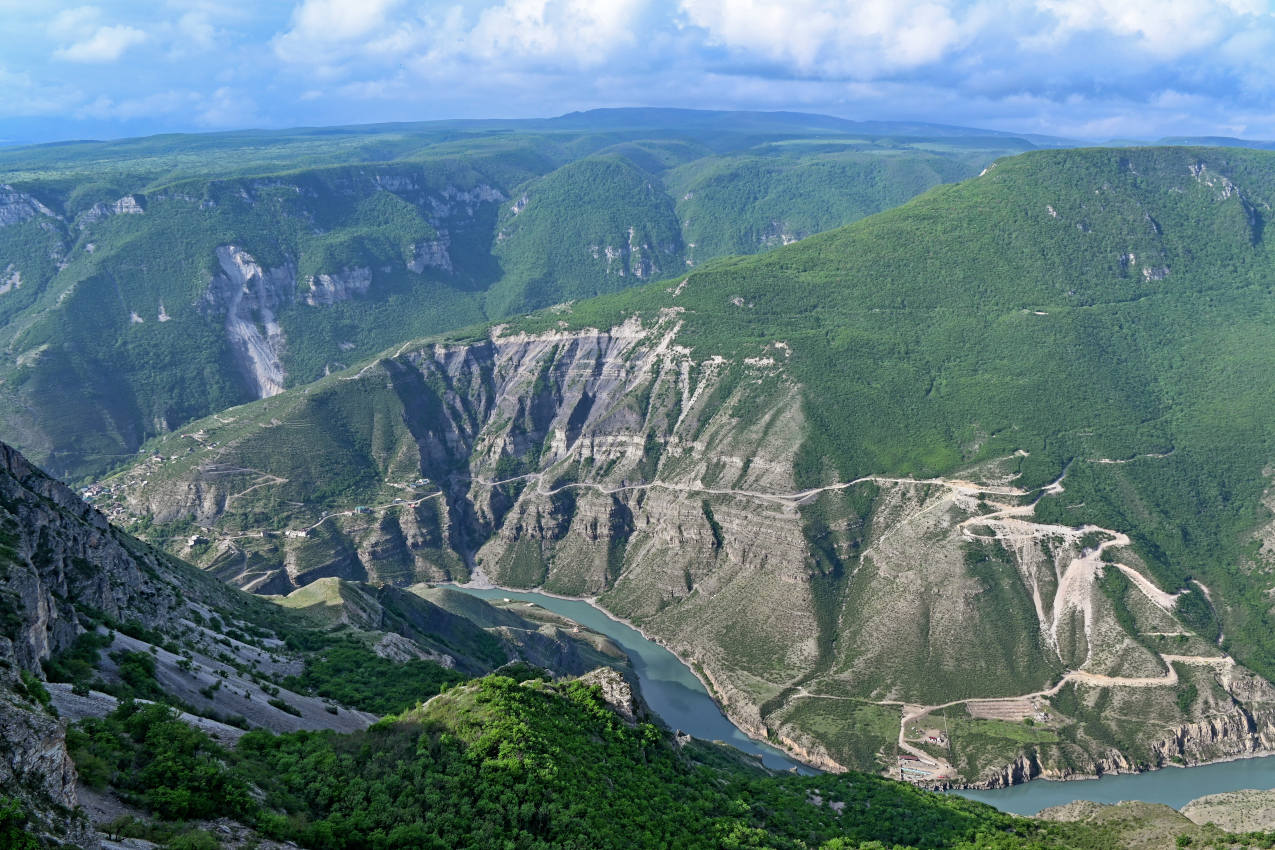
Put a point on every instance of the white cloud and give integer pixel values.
(195, 32)
(22, 95)
(74, 23)
(872, 39)
(860, 38)
(581, 32)
(228, 108)
(149, 106)
(1166, 29)
(222, 107)
(325, 24)
(105, 45)
(566, 33)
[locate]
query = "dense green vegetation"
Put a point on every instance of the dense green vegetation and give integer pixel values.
(1074, 305)
(77, 663)
(13, 821)
(111, 334)
(732, 204)
(154, 760)
(575, 238)
(505, 762)
(355, 676)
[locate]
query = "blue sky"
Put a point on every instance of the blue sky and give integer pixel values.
(1091, 69)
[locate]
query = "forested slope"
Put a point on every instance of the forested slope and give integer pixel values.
(1005, 441)
(145, 283)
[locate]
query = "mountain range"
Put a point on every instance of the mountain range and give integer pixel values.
(147, 704)
(1003, 442)
(915, 443)
(150, 282)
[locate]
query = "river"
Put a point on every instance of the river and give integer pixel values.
(668, 686)
(676, 695)
(1173, 786)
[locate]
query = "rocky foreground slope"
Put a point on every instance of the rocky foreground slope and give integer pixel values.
(91, 615)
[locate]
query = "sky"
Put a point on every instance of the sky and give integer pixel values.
(1084, 69)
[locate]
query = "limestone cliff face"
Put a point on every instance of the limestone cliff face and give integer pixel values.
(1239, 732)
(1228, 735)
(17, 207)
(247, 297)
(36, 768)
(614, 463)
(127, 205)
(56, 555)
(328, 289)
(64, 552)
(1238, 722)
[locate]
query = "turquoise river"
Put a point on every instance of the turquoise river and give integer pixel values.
(680, 699)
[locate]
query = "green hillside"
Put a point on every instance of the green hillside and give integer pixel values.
(528, 763)
(118, 321)
(729, 205)
(595, 225)
(1075, 305)
(1097, 320)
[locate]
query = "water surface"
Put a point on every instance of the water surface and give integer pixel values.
(668, 686)
(680, 699)
(1173, 786)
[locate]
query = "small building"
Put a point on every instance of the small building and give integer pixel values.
(362, 509)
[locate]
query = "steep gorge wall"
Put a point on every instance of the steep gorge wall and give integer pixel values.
(58, 558)
(615, 464)
(137, 344)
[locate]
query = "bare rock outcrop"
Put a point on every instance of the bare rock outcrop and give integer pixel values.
(247, 296)
(34, 764)
(328, 289)
(618, 693)
(17, 207)
(1235, 811)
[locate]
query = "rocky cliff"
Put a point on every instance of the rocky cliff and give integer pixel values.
(248, 297)
(58, 559)
(221, 654)
(60, 553)
(616, 464)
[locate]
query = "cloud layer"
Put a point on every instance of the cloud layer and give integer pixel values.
(1087, 68)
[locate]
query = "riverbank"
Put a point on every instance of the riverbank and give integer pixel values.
(672, 688)
(1091, 777)
(1174, 788)
(479, 581)
(1023, 797)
